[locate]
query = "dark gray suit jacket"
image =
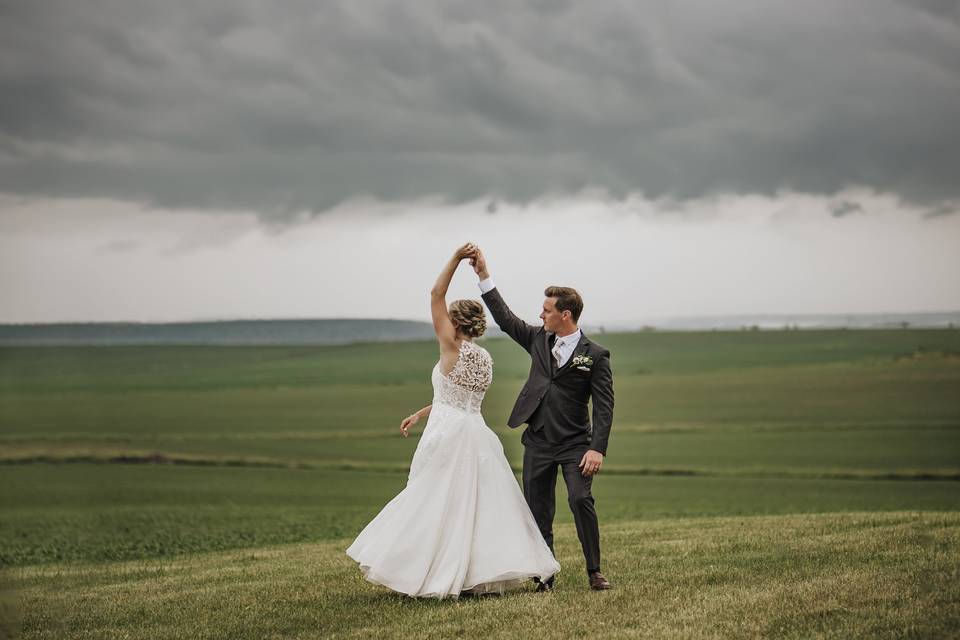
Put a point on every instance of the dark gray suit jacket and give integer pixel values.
(555, 400)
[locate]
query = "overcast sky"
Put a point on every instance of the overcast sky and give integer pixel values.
(164, 161)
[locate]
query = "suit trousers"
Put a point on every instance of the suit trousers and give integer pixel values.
(540, 462)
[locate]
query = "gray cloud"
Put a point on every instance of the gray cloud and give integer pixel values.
(119, 246)
(296, 105)
(941, 209)
(844, 208)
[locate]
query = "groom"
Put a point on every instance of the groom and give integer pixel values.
(566, 370)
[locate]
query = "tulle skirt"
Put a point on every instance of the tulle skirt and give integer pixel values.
(460, 524)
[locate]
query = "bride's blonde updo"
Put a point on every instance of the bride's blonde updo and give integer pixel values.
(468, 317)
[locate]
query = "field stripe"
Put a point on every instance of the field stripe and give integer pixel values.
(391, 432)
(152, 457)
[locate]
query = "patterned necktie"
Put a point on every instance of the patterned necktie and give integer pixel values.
(557, 352)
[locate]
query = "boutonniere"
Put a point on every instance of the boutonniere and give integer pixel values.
(582, 362)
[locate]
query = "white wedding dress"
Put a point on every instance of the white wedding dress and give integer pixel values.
(461, 523)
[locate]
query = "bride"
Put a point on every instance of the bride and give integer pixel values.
(461, 525)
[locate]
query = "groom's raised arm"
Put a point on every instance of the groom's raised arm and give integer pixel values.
(522, 333)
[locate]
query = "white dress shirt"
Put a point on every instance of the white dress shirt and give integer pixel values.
(567, 344)
(486, 285)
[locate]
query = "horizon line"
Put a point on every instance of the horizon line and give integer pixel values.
(638, 322)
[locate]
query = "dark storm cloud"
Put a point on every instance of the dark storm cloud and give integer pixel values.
(291, 105)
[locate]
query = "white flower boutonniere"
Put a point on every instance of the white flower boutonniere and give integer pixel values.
(582, 362)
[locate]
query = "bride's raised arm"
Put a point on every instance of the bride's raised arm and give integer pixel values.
(442, 325)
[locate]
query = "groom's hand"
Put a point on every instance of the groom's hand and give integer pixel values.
(590, 463)
(479, 264)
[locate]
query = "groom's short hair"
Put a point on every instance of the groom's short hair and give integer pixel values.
(567, 300)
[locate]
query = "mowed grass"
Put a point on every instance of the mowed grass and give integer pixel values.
(892, 575)
(277, 457)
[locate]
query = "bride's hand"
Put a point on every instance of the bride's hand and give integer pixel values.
(468, 250)
(408, 422)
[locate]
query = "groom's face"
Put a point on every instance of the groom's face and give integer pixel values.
(552, 319)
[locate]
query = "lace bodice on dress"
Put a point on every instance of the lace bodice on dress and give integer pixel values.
(467, 382)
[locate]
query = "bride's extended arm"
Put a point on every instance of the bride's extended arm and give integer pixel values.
(446, 334)
(413, 419)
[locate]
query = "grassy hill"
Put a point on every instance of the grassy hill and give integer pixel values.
(890, 575)
(784, 484)
(220, 332)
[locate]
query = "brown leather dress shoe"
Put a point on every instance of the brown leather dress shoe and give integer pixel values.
(598, 582)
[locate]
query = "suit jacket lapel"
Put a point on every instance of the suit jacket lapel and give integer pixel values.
(548, 341)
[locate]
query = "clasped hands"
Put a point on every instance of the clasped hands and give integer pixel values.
(472, 252)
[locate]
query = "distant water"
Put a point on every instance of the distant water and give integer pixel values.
(939, 320)
(347, 331)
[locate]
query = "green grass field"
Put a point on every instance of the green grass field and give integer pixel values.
(780, 484)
